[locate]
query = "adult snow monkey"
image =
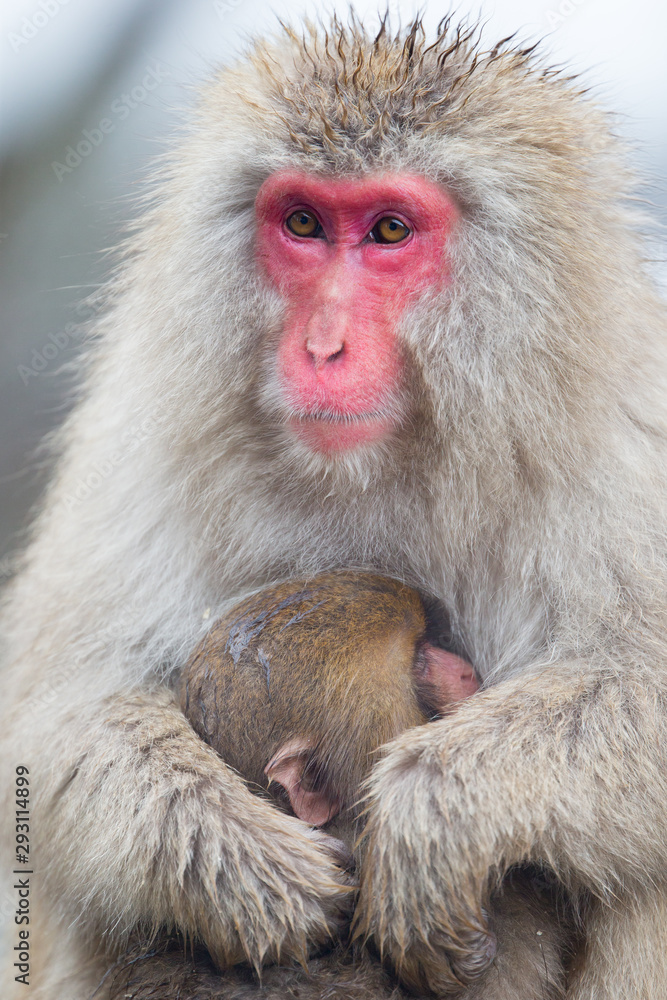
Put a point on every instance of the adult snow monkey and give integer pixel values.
(388, 309)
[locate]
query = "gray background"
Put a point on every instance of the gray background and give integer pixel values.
(66, 67)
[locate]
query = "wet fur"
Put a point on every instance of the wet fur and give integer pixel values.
(532, 944)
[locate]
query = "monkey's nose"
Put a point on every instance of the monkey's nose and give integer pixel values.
(324, 349)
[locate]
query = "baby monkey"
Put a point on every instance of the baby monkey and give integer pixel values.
(300, 685)
(297, 688)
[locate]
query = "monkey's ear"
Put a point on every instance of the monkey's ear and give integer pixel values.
(445, 676)
(289, 768)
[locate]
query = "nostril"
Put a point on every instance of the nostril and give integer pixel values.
(324, 353)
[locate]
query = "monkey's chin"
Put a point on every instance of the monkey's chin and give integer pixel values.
(331, 436)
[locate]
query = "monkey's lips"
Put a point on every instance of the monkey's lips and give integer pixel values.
(330, 432)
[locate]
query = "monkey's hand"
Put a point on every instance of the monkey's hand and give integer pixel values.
(151, 830)
(560, 766)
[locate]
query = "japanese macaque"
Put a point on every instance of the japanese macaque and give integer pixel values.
(301, 684)
(388, 309)
(296, 688)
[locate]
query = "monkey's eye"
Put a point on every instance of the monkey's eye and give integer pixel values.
(303, 223)
(389, 230)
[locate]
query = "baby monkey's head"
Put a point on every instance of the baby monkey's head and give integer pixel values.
(299, 685)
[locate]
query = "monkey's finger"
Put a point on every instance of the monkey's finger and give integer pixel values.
(446, 971)
(469, 949)
(472, 963)
(443, 960)
(337, 850)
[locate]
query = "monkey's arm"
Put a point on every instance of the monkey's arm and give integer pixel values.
(564, 766)
(148, 828)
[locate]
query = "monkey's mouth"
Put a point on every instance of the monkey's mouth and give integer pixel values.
(331, 432)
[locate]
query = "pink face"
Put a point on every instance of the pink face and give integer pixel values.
(348, 256)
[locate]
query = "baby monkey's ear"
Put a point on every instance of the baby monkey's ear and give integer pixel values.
(442, 678)
(294, 768)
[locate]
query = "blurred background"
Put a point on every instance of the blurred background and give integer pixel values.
(91, 90)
